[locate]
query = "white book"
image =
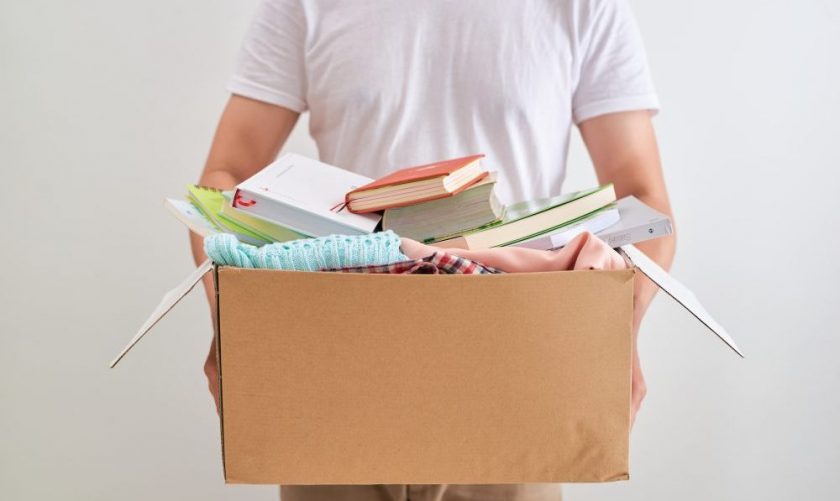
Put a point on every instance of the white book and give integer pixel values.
(638, 223)
(305, 195)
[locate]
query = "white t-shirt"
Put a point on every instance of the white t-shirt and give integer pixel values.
(395, 83)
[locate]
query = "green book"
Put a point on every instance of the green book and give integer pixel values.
(210, 202)
(531, 218)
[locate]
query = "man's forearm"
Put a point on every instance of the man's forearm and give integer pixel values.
(624, 152)
(224, 180)
(662, 251)
(249, 136)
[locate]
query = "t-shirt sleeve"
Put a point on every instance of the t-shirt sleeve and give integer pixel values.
(270, 66)
(613, 74)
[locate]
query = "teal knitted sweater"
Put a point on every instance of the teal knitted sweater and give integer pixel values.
(308, 254)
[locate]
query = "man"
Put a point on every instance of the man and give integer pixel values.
(390, 83)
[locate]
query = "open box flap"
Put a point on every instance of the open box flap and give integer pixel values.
(678, 291)
(660, 277)
(169, 300)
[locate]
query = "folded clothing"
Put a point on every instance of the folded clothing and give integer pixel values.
(310, 254)
(439, 263)
(385, 252)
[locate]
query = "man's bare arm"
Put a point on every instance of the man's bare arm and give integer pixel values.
(249, 136)
(624, 151)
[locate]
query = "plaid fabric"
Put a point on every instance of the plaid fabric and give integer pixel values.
(439, 263)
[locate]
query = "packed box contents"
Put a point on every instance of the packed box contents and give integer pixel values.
(448, 204)
(415, 329)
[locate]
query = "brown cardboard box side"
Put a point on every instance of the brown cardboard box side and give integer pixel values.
(331, 378)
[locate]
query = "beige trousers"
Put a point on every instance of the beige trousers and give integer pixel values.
(506, 492)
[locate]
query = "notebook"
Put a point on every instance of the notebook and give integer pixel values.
(306, 196)
(417, 184)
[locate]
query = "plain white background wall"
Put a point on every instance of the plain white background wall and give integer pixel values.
(107, 107)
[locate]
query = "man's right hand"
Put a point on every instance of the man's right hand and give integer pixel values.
(211, 370)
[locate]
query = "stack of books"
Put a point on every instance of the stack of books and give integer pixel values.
(475, 207)
(426, 202)
(450, 204)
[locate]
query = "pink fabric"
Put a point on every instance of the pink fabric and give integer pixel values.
(439, 263)
(584, 252)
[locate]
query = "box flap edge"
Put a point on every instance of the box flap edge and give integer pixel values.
(679, 292)
(167, 302)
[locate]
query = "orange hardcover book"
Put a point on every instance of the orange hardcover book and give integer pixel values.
(417, 184)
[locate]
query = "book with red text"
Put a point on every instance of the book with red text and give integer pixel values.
(417, 184)
(304, 195)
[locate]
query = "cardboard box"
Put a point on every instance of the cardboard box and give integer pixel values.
(332, 378)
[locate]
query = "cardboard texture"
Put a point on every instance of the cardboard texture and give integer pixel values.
(331, 378)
